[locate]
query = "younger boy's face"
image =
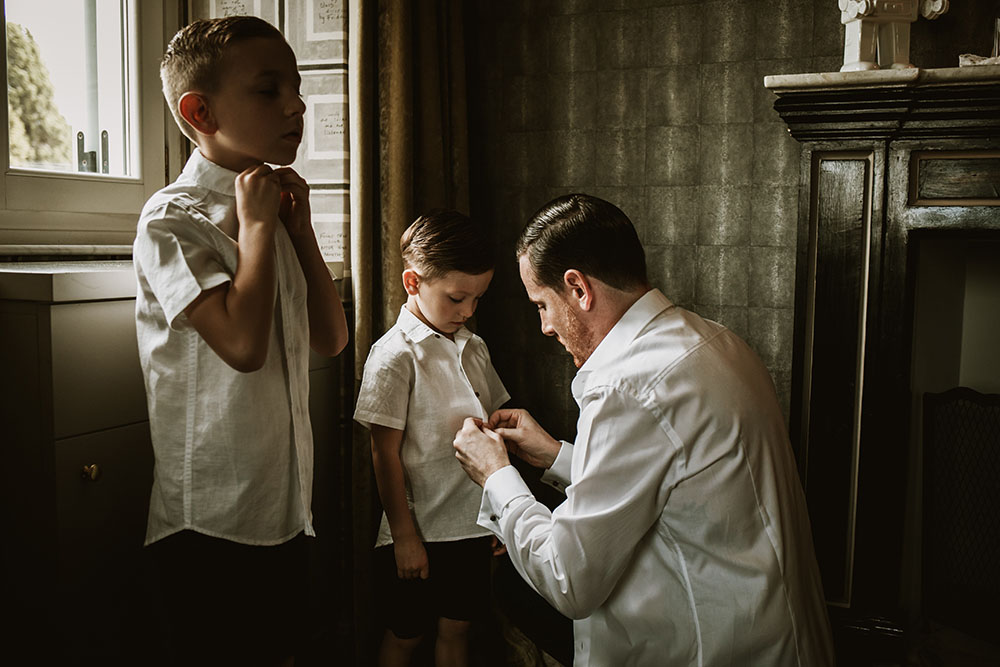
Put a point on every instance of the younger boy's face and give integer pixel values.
(447, 302)
(257, 108)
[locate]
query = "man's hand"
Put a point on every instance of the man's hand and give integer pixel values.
(525, 439)
(294, 210)
(480, 451)
(258, 195)
(411, 558)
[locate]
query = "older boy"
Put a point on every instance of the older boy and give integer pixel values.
(232, 294)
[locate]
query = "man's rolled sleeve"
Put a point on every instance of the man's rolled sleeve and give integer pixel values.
(502, 488)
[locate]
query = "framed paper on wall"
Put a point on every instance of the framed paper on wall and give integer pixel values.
(317, 31)
(331, 220)
(210, 9)
(323, 154)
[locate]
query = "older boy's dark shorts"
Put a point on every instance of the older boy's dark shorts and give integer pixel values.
(223, 603)
(458, 587)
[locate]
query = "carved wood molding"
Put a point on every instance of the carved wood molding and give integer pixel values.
(890, 105)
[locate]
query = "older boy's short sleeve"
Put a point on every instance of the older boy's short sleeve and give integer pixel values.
(179, 258)
(384, 396)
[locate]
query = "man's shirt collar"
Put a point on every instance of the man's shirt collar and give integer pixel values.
(635, 319)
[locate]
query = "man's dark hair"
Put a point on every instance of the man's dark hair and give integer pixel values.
(443, 241)
(193, 57)
(587, 234)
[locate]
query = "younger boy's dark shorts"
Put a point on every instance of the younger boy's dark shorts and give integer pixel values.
(458, 587)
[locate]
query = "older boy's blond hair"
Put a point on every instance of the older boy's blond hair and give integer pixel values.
(193, 58)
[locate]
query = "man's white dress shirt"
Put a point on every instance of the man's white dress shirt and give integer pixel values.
(684, 537)
(418, 381)
(233, 451)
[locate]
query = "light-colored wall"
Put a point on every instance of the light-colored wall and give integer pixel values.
(957, 317)
(980, 366)
(939, 310)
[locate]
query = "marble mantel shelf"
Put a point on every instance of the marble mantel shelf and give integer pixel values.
(890, 104)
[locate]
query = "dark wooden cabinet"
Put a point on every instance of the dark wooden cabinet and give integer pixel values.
(78, 457)
(886, 156)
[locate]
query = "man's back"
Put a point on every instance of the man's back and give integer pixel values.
(726, 573)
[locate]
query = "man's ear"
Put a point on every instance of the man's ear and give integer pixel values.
(411, 281)
(194, 109)
(578, 288)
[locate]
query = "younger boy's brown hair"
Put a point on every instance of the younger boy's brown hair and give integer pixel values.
(193, 58)
(443, 241)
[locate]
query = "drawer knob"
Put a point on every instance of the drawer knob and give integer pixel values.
(91, 472)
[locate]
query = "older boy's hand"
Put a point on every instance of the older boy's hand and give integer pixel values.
(294, 211)
(480, 451)
(258, 195)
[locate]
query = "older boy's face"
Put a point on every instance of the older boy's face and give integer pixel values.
(257, 108)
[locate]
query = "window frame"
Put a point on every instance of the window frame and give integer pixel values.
(71, 208)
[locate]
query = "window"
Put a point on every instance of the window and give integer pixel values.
(85, 125)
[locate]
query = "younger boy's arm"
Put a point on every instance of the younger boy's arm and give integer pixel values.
(327, 322)
(235, 318)
(411, 557)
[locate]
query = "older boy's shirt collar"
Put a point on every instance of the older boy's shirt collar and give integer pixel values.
(209, 175)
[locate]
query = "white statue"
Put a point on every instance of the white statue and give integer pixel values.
(877, 32)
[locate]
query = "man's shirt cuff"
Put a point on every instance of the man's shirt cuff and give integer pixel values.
(558, 475)
(501, 489)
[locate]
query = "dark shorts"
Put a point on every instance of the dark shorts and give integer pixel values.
(458, 587)
(224, 603)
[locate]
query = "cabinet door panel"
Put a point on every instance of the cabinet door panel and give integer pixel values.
(96, 378)
(840, 233)
(103, 517)
(101, 527)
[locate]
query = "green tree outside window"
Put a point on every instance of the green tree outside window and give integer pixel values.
(39, 135)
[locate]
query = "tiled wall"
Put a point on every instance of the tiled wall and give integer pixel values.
(660, 108)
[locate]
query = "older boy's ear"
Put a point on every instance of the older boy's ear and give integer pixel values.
(194, 109)
(411, 281)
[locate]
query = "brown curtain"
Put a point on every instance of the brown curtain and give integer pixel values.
(409, 154)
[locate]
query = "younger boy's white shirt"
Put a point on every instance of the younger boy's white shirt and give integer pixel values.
(418, 381)
(233, 451)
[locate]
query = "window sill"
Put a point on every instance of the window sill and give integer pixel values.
(39, 252)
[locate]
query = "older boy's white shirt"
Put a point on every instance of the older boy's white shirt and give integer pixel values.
(418, 381)
(234, 452)
(672, 547)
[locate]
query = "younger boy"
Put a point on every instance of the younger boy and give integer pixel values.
(232, 293)
(421, 380)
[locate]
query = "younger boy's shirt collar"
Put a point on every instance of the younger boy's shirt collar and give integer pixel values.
(417, 331)
(209, 175)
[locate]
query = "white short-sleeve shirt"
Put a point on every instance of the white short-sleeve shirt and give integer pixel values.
(233, 451)
(418, 381)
